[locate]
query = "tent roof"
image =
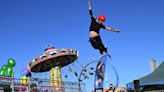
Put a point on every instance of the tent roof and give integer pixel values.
(154, 78)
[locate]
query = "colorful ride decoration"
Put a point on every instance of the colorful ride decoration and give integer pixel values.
(24, 80)
(55, 77)
(53, 60)
(7, 70)
(25, 74)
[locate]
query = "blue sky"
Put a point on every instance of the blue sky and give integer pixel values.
(27, 26)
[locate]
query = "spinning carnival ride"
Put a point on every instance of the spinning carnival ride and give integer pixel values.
(53, 60)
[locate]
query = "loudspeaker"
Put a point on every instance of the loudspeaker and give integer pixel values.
(136, 85)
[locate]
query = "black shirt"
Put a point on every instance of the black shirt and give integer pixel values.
(95, 26)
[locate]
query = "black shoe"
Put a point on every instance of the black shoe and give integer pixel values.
(101, 52)
(106, 50)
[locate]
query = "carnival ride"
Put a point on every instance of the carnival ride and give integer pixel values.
(53, 60)
(110, 76)
(58, 66)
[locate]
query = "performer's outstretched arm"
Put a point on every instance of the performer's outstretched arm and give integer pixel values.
(90, 9)
(111, 29)
(89, 5)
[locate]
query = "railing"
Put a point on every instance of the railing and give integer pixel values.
(38, 85)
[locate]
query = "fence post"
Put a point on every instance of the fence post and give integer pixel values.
(12, 85)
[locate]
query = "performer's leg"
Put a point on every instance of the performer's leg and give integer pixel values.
(94, 44)
(102, 48)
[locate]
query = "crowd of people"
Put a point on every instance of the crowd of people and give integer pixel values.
(113, 89)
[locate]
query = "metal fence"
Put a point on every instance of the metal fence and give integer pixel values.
(38, 85)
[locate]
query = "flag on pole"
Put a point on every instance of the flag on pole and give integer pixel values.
(100, 72)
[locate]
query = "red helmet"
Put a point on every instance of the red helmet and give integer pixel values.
(102, 18)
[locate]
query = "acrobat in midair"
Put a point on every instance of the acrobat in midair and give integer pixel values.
(94, 30)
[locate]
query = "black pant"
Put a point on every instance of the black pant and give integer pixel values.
(96, 43)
